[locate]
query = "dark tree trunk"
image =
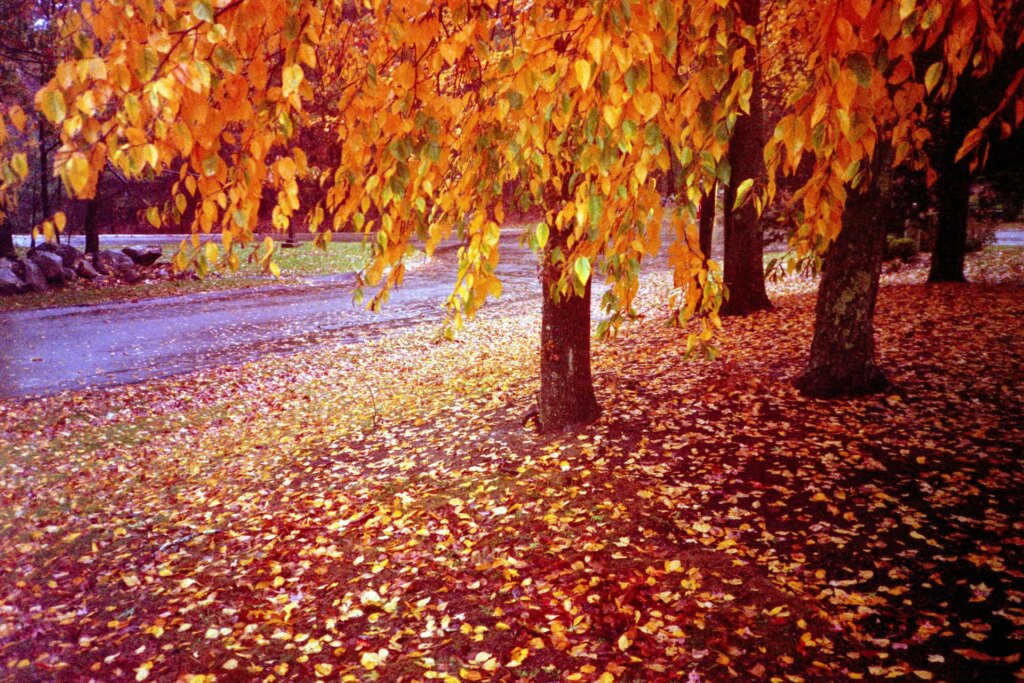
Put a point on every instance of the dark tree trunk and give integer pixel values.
(954, 191)
(744, 248)
(842, 359)
(91, 225)
(706, 225)
(6, 240)
(44, 171)
(566, 387)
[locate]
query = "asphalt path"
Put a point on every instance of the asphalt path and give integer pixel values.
(47, 351)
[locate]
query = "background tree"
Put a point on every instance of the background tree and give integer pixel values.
(744, 237)
(30, 48)
(866, 104)
(13, 171)
(991, 75)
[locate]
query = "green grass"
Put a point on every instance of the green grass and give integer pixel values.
(306, 260)
(295, 264)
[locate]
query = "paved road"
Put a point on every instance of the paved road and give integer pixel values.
(1011, 237)
(44, 352)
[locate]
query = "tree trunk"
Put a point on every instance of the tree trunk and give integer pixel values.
(706, 225)
(744, 248)
(954, 191)
(842, 359)
(44, 172)
(6, 240)
(91, 227)
(566, 387)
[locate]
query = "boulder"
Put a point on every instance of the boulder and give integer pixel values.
(33, 276)
(146, 255)
(10, 282)
(130, 276)
(49, 263)
(68, 254)
(70, 274)
(116, 264)
(85, 270)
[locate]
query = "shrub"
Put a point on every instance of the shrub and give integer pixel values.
(902, 248)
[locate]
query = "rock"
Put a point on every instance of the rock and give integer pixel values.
(68, 254)
(85, 270)
(130, 276)
(10, 282)
(70, 274)
(144, 256)
(33, 277)
(49, 263)
(116, 264)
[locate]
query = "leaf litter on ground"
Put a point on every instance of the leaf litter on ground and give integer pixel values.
(380, 512)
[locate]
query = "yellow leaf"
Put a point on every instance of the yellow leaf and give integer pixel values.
(371, 660)
(60, 220)
(624, 642)
(212, 253)
(17, 116)
(291, 78)
(583, 73)
(923, 675)
(405, 76)
(931, 77)
(20, 165)
(517, 656)
(741, 193)
(612, 115)
(648, 104)
(323, 669)
(51, 103)
(582, 268)
(78, 172)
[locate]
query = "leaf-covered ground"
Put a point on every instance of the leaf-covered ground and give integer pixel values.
(379, 512)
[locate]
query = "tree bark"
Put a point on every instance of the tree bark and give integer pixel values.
(954, 191)
(6, 240)
(744, 248)
(706, 224)
(842, 361)
(566, 386)
(90, 225)
(44, 171)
